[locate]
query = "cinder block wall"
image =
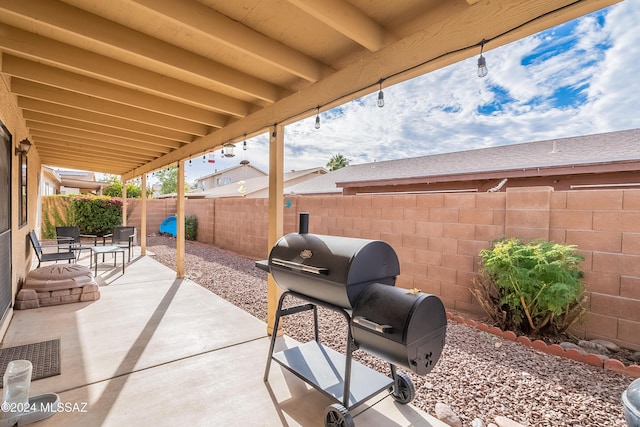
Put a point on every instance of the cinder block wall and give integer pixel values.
(438, 238)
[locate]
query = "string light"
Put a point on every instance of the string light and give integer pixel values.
(318, 117)
(380, 96)
(482, 62)
(244, 144)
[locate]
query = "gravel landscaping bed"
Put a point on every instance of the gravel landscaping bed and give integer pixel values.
(479, 375)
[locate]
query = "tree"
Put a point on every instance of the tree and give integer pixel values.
(115, 188)
(338, 161)
(168, 180)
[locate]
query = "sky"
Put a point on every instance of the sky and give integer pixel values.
(580, 78)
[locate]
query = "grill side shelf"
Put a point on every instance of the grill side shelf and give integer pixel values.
(323, 368)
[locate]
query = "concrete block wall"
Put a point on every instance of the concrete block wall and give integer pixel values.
(438, 238)
(605, 225)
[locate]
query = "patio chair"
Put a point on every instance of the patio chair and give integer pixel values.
(49, 256)
(123, 237)
(70, 235)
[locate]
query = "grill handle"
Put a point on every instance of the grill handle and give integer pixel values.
(299, 267)
(368, 324)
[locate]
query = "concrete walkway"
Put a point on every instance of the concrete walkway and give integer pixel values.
(167, 352)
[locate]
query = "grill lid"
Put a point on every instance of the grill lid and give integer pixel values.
(331, 268)
(339, 259)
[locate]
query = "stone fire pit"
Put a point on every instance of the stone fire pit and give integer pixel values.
(57, 284)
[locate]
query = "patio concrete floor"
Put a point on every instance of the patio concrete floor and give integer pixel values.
(164, 352)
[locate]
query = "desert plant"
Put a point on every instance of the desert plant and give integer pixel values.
(534, 287)
(190, 227)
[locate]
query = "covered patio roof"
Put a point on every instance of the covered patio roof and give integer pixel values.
(130, 86)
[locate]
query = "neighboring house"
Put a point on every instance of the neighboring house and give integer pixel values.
(257, 187)
(50, 182)
(606, 160)
(58, 181)
(228, 176)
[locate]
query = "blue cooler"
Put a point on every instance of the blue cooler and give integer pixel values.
(631, 403)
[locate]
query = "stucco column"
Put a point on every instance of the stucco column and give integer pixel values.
(276, 213)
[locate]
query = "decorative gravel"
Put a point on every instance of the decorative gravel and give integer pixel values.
(479, 375)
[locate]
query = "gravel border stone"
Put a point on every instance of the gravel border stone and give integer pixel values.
(480, 376)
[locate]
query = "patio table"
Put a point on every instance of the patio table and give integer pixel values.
(97, 250)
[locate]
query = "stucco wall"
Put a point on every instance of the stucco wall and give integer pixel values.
(11, 117)
(438, 238)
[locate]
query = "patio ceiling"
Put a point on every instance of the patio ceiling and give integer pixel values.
(129, 86)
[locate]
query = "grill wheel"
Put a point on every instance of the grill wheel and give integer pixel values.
(406, 390)
(337, 415)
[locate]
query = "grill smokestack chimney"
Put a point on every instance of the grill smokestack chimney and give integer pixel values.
(304, 223)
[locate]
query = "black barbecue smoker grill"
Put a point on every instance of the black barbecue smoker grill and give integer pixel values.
(356, 278)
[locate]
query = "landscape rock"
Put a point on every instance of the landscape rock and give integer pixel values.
(445, 414)
(571, 346)
(477, 422)
(635, 357)
(594, 346)
(507, 422)
(608, 344)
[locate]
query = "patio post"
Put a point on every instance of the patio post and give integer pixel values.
(180, 222)
(276, 212)
(124, 200)
(143, 216)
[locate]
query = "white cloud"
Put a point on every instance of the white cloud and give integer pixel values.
(437, 112)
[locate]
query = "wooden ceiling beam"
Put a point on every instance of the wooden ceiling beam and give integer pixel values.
(94, 139)
(102, 160)
(35, 73)
(233, 34)
(121, 40)
(30, 104)
(90, 154)
(85, 63)
(36, 116)
(349, 21)
(42, 92)
(65, 144)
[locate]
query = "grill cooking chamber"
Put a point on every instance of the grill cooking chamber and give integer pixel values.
(401, 326)
(330, 268)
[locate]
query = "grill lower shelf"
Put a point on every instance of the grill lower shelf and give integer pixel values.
(323, 368)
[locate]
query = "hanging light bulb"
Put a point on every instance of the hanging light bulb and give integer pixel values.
(318, 117)
(204, 158)
(244, 144)
(482, 62)
(190, 162)
(380, 96)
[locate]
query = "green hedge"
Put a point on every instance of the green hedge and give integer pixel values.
(93, 214)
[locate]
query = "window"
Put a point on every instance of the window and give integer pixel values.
(227, 181)
(22, 184)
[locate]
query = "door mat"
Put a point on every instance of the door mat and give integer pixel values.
(44, 356)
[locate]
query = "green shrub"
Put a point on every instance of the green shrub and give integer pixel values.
(190, 227)
(96, 214)
(533, 287)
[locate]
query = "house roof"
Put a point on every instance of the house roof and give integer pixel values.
(591, 153)
(254, 185)
(131, 86)
(223, 171)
